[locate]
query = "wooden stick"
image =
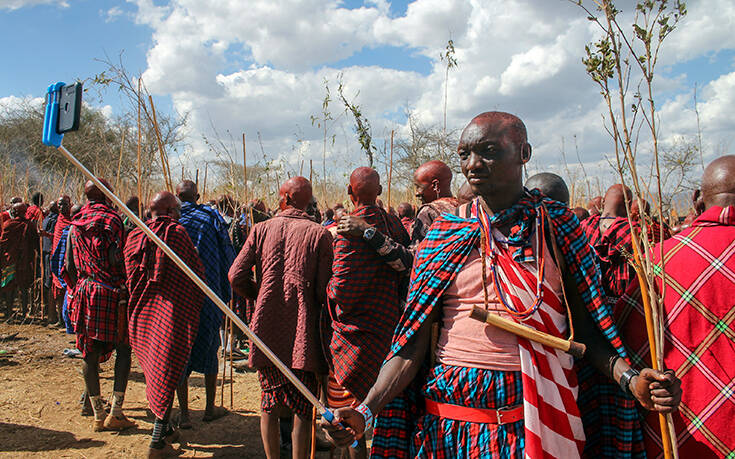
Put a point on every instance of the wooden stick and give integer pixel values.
(667, 436)
(204, 189)
(312, 449)
(119, 161)
(224, 368)
(311, 171)
(196, 180)
(159, 141)
(390, 171)
(245, 167)
(231, 380)
(140, 185)
(571, 347)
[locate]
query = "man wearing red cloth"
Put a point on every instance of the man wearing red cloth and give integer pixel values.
(292, 257)
(96, 271)
(18, 249)
(433, 183)
(491, 394)
(407, 214)
(698, 312)
(58, 287)
(163, 311)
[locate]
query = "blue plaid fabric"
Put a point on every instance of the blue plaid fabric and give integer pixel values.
(473, 387)
(57, 265)
(208, 232)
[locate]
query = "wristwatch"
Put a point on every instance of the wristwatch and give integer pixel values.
(368, 233)
(626, 379)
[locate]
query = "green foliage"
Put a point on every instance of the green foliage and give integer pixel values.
(362, 126)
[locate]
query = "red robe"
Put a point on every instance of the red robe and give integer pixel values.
(18, 248)
(163, 308)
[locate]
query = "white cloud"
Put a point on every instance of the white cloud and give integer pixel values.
(113, 13)
(17, 4)
(259, 66)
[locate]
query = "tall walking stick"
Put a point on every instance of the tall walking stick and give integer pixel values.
(140, 134)
(390, 171)
(668, 437)
(52, 137)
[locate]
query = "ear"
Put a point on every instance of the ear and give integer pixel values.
(197, 198)
(349, 190)
(380, 190)
(525, 152)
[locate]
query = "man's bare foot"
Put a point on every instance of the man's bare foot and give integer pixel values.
(166, 451)
(216, 413)
(98, 425)
(184, 421)
(118, 423)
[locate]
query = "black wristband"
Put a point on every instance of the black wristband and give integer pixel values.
(626, 379)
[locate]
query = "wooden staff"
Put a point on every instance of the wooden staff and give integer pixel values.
(196, 179)
(224, 368)
(311, 171)
(232, 403)
(571, 347)
(390, 171)
(245, 167)
(204, 188)
(159, 141)
(668, 437)
(25, 187)
(119, 161)
(140, 185)
(312, 449)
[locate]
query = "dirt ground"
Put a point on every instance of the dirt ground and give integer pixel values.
(40, 411)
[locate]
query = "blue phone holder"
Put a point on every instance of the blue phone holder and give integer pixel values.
(51, 118)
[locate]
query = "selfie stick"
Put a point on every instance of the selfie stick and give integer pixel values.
(53, 138)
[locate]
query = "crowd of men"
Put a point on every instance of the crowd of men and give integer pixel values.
(373, 309)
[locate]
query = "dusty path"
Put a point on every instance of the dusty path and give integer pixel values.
(40, 414)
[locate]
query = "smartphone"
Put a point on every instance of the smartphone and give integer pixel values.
(70, 108)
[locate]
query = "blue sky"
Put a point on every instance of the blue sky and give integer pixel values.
(259, 66)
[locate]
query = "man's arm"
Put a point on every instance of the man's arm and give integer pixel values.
(240, 274)
(654, 390)
(394, 377)
(395, 255)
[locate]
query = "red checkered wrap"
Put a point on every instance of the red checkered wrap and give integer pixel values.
(163, 309)
(699, 336)
(613, 249)
(278, 391)
(364, 304)
(93, 311)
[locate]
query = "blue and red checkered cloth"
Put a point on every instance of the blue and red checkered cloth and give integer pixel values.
(439, 259)
(163, 309)
(364, 304)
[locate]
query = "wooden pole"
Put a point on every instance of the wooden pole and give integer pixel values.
(245, 167)
(196, 179)
(668, 437)
(311, 172)
(119, 161)
(232, 396)
(224, 367)
(204, 189)
(571, 347)
(164, 158)
(390, 171)
(140, 184)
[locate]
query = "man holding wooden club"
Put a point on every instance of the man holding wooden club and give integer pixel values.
(513, 254)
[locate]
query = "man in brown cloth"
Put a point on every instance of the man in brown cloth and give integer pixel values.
(18, 249)
(164, 311)
(94, 264)
(292, 257)
(433, 182)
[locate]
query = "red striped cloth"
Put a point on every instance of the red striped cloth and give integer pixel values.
(553, 424)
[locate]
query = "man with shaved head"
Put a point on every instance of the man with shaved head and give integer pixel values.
(366, 293)
(18, 249)
(550, 185)
(98, 298)
(47, 233)
(164, 310)
(433, 184)
(407, 214)
(489, 393)
(208, 232)
(594, 205)
(698, 302)
(292, 257)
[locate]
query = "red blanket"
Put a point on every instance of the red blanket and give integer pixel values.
(163, 309)
(18, 247)
(699, 339)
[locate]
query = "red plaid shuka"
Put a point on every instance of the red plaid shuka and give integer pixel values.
(613, 249)
(699, 337)
(277, 391)
(164, 307)
(439, 259)
(18, 247)
(364, 304)
(97, 239)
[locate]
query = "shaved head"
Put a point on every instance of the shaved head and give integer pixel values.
(433, 180)
(614, 201)
(465, 194)
(550, 185)
(581, 213)
(165, 204)
(364, 186)
(295, 192)
(718, 182)
(64, 203)
(405, 210)
(594, 205)
(510, 124)
(187, 191)
(18, 210)
(95, 194)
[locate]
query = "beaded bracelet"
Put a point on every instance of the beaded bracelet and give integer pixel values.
(364, 410)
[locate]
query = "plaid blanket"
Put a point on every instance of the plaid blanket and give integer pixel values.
(62, 223)
(364, 304)
(699, 337)
(18, 249)
(208, 232)
(612, 249)
(439, 259)
(163, 310)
